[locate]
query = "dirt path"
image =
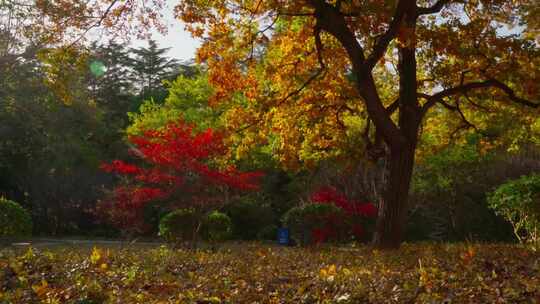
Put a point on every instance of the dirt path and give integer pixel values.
(59, 242)
(80, 243)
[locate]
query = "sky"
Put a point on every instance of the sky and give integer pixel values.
(182, 45)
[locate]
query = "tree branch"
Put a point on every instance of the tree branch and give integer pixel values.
(374, 148)
(447, 105)
(296, 14)
(464, 88)
(435, 8)
(97, 24)
(382, 43)
(481, 107)
(512, 95)
(456, 131)
(332, 21)
(261, 31)
(366, 132)
(457, 109)
(393, 106)
(463, 117)
(318, 47)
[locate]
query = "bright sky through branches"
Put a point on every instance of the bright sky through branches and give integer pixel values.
(182, 45)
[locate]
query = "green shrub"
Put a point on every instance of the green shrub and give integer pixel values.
(303, 220)
(14, 219)
(216, 227)
(518, 201)
(449, 194)
(268, 233)
(248, 218)
(179, 225)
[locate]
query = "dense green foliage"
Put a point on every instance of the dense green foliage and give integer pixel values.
(51, 143)
(15, 221)
(216, 227)
(449, 199)
(268, 233)
(518, 201)
(187, 98)
(49, 152)
(179, 225)
(186, 225)
(303, 220)
(251, 273)
(249, 218)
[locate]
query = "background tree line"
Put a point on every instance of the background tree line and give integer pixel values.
(50, 151)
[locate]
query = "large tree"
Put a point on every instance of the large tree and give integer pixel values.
(337, 57)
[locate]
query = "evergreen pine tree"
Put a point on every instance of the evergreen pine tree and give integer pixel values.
(151, 66)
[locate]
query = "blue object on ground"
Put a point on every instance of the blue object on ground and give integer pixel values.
(283, 236)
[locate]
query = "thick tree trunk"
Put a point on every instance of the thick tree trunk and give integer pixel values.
(393, 207)
(401, 140)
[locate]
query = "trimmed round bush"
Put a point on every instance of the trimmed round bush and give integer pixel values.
(518, 201)
(179, 225)
(268, 233)
(15, 221)
(249, 217)
(302, 221)
(216, 227)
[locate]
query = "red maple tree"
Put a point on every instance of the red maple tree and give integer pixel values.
(356, 212)
(178, 167)
(330, 195)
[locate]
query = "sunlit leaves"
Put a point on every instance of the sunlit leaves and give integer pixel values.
(304, 104)
(67, 21)
(65, 69)
(188, 97)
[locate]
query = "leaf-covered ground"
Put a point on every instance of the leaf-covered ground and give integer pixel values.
(255, 273)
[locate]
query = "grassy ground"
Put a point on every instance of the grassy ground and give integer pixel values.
(256, 273)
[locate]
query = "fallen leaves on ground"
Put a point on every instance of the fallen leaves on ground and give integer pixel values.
(256, 273)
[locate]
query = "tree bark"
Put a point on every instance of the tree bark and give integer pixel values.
(400, 139)
(393, 208)
(394, 205)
